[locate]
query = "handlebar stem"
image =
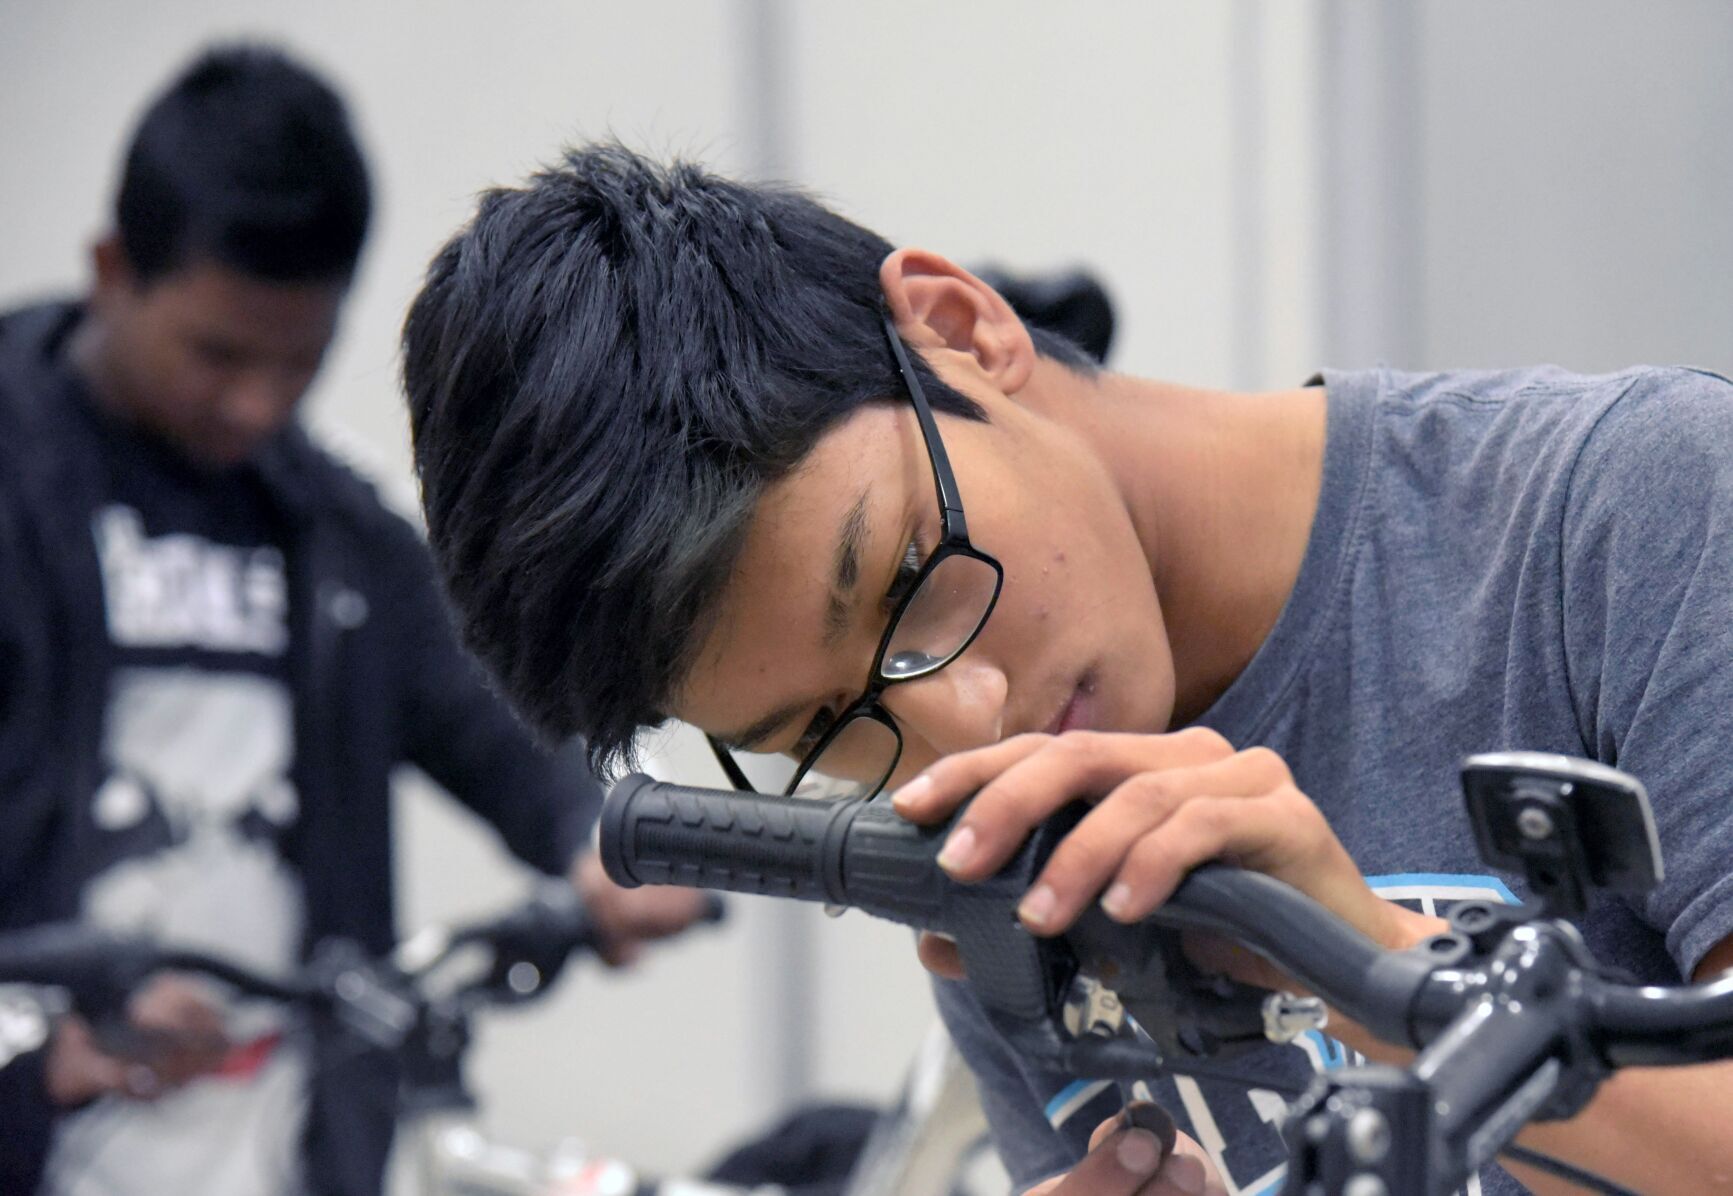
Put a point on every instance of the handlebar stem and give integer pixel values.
(1518, 1049)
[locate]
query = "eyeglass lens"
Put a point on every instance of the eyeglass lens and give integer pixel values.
(940, 619)
(855, 763)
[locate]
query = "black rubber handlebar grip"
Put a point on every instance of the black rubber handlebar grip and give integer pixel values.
(656, 833)
(59, 953)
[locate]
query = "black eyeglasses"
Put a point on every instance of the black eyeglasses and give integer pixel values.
(936, 620)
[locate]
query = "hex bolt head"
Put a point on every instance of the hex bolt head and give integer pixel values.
(1368, 1136)
(1534, 823)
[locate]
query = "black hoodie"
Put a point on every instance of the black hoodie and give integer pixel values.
(368, 695)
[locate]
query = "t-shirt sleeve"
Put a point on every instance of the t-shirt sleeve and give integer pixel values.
(1022, 1102)
(1647, 564)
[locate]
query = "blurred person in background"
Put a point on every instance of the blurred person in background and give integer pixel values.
(215, 646)
(656, 407)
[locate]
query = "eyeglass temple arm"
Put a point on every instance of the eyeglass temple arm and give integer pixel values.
(950, 499)
(730, 767)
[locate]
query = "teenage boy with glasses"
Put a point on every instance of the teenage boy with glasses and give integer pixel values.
(671, 471)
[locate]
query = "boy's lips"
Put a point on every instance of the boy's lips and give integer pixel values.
(1078, 712)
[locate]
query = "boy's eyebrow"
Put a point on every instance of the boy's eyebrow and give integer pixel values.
(845, 575)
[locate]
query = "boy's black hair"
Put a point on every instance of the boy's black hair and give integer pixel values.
(605, 370)
(247, 160)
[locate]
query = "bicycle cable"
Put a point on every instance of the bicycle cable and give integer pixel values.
(1551, 1164)
(1568, 1172)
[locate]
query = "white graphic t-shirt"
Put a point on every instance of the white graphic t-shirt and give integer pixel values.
(188, 824)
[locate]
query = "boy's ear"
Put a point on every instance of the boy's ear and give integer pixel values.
(937, 306)
(112, 275)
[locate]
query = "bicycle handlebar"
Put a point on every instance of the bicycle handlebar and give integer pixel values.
(94, 962)
(864, 856)
(376, 999)
(1513, 1018)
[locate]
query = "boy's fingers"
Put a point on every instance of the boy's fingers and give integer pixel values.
(940, 956)
(935, 792)
(1098, 847)
(1017, 794)
(1121, 1164)
(1183, 1170)
(1150, 1116)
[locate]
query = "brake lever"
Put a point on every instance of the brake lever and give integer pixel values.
(862, 855)
(532, 943)
(375, 1003)
(1063, 1000)
(1189, 1013)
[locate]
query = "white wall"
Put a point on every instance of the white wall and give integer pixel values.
(1111, 135)
(1576, 188)
(1029, 134)
(1514, 183)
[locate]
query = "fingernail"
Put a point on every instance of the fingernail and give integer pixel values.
(959, 849)
(913, 794)
(1139, 1152)
(1118, 900)
(1184, 1172)
(1038, 906)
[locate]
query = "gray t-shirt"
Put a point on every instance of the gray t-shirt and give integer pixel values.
(1515, 560)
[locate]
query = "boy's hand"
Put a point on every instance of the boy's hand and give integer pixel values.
(1124, 1161)
(1163, 805)
(179, 1037)
(629, 918)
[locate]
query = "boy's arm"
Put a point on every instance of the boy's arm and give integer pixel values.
(542, 802)
(25, 1108)
(27, 710)
(456, 729)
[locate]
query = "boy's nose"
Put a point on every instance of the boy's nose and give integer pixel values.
(961, 706)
